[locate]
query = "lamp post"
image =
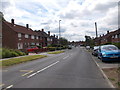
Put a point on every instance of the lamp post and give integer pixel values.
(59, 32)
(59, 29)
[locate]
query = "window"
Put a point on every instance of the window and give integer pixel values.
(115, 36)
(26, 36)
(19, 35)
(32, 37)
(112, 36)
(36, 37)
(37, 43)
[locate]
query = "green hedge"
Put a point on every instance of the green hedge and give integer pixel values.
(117, 44)
(7, 53)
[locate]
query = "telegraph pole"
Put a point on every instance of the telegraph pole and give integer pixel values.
(96, 29)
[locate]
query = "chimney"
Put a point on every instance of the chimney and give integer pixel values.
(103, 34)
(42, 30)
(27, 25)
(54, 35)
(49, 33)
(57, 37)
(12, 21)
(100, 35)
(107, 32)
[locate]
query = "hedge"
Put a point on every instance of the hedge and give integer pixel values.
(7, 53)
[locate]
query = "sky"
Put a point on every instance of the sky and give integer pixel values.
(77, 17)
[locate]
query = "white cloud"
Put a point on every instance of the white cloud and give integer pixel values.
(78, 16)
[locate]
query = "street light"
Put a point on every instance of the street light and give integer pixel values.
(59, 29)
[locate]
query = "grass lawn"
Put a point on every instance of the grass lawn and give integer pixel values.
(14, 61)
(56, 52)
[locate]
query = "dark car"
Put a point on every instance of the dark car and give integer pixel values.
(95, 50)
(109, 53)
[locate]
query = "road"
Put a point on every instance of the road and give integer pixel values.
(74, 68)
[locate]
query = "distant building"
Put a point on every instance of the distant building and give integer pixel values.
(110, 37)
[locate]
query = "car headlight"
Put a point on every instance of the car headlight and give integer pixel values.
(103, 54)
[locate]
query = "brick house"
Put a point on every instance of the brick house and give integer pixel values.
(52, 39)
(116, 36)
(18, 37)
(110, 37)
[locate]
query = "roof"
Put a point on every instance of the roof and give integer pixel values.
(20, 29)
(41, 33)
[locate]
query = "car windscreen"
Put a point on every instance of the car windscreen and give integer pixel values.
(109, 48)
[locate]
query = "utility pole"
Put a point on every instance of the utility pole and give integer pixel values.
(59, 31)
(96, 29)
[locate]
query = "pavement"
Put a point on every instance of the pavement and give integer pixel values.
(74, 68)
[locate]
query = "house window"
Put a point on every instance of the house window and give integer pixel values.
(115, 36)
(20, 45)
(112, 36)
(26, 35)
(19, 35)
(32, 37)
(36, 37)
(37, 44)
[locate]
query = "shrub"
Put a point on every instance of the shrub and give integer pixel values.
(14, 54)
(20, 53)
(6, 53)
(52, 48)
(59, 48)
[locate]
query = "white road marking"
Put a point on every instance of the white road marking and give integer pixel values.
(66, 57)
(27, 73)
(42, 69)
(9, 87)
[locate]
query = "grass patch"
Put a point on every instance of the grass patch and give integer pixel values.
(112, 79)
(56, 52)
(14, 61)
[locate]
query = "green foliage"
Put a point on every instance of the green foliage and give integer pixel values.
(63, 41)
(117, 44)
(52, 48)
(7, 53)
(39, 46)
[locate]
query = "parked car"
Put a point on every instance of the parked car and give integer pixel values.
(109, 53)
(33, 49)
(88, 47)
(95, 50)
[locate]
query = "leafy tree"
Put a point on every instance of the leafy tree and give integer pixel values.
(63, 41)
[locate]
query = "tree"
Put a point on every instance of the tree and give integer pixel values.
(63, 41)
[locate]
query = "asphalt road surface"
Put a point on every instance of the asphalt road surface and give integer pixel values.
(74, 68)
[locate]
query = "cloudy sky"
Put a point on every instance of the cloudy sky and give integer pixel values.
(77, 16)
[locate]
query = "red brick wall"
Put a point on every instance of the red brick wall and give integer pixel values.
(9, 38)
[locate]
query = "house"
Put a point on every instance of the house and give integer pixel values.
(115, 36)
(110, 37)
(43, 37)
(18, 37)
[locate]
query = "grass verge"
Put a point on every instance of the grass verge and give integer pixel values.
(56, 52)
(113, 76)
(14, 61)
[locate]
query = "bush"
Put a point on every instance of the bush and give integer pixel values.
(20, 53)
(52, 48)
(7, 53)
(14, 54)
(117, 44)
(59, 48)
